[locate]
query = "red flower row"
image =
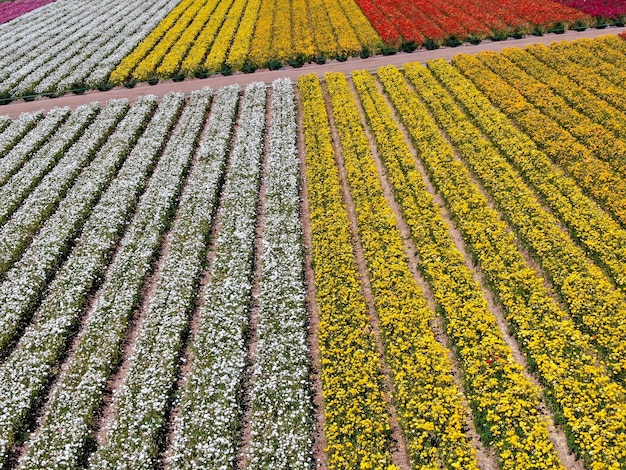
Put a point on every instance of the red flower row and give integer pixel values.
(417, 20)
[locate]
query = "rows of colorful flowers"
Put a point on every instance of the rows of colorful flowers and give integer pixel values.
(466, 223)
(70, 46)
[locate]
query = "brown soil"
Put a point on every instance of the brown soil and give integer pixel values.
(319, 438)
(399, 452)
(267, 76)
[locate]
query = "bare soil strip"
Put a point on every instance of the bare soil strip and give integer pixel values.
(485, 456)
(267, 76)
(319, 438)
(399, 452)
(557, 434)
(255, 306)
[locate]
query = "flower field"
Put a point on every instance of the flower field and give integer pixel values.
(422, 267)
(10, 10)
(68, 45)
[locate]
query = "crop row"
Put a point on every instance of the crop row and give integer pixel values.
(504, 402)
(280, 396)
(419, 365)
(199, 37)
(562, 357)
(357, 422)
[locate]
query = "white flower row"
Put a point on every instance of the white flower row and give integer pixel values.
(39, 163)
(5, 121)
(99, 35)
(25, 281)
(31, 142)
(43, 200)
(17, 129)
(280, 398)
(207, 429)
(75, 402)
(28, 369)
(142, 402)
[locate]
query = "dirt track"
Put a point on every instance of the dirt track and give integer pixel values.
(267, 76)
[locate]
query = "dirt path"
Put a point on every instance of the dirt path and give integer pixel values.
(267, 76)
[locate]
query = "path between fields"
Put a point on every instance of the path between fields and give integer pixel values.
(267, 76)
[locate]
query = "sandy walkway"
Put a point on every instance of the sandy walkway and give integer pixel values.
(267, 76)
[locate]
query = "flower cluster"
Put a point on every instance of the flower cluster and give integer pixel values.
(209, 37)
(418, 364)
(14, 9)
(280, 397)
(20, 153)
(421, 20)
(594, 303)
(357, 423)
(67, 44)
(79, 392)
(596, 67)
(142, 399)
(29, 367)
(206, 431)
(583, 397)
(504, 402)
(39, 164)
(602, 8)
(15, 129)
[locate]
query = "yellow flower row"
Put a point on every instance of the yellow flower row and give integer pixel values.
(202, 45)
(357, 425)
(226, 33)
(596, 306)
(238, 52)
(601, 235)
(583, 398)
(581, 61)
(594, 175)
(129, 63)
(521, 72)
(209, 35)
(428, 402)
(504, 401)
(550, 71)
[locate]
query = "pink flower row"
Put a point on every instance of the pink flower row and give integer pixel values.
(604, 8)
(11, 10)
